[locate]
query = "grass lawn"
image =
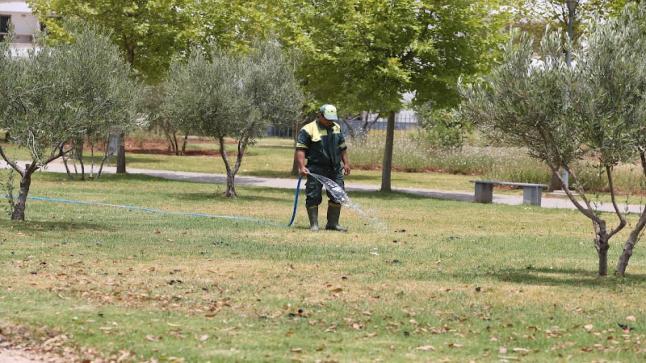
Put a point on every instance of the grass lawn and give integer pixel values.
(272, 157)
(444, 281)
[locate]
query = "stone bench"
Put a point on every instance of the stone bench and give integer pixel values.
(532, 193)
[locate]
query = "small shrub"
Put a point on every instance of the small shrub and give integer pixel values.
(442, 129)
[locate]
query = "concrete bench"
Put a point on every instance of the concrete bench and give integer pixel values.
(532, 193)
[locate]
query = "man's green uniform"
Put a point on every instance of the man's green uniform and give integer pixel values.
(323, 147)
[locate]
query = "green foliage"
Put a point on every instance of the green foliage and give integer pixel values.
(443, 129)
(225, 94)
(611, 89)
(102, 81)
(535, 15)
(365, 55)
(148, 32)
(66, 91)
(235, 25)
(595, 111)
(58, 94)
(201, 93)
(526, 101)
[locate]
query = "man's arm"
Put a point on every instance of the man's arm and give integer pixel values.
(299, 156)
(346, 162)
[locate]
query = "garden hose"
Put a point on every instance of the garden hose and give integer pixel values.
(298, 189)
(150, 210)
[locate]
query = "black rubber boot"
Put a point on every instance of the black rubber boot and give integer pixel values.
(313, 215)
(333, 214)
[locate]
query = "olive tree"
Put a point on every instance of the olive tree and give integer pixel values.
(611, 102)
(221, 94)
(153, 103)
(58, 94)
(530, 101)
(103, 83)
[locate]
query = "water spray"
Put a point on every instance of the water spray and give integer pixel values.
(338, 194)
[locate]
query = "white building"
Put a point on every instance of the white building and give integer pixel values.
(17, 16)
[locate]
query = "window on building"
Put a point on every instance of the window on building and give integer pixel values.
(4, 25)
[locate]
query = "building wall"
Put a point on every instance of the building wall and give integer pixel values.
(25, 24)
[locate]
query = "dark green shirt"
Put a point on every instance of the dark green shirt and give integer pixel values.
(322, 145)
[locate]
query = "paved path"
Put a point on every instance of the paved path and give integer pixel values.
(283, 183)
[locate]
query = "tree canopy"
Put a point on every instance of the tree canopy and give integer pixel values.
(148, 32)
(224, 94)
(365, 55)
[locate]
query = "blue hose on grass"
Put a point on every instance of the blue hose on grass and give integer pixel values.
(298, 189)
(150, 210)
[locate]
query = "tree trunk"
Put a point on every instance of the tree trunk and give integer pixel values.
(175, 144)
(603, 261)
(18, 213)
(121, 155)
(184, 144)
(67, 168)
(632, 240)
(231, 188)
(601, 243)
(367, 125)
(171, 137)
(6, 136)
(79, 156)
(98, 174)
(386, 171)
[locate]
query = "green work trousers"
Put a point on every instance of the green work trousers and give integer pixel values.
(313, 188)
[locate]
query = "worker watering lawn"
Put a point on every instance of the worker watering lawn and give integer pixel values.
(323, 145)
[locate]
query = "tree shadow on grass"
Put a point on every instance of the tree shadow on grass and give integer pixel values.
(105, 178)
(565, 277)
(52, 226)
